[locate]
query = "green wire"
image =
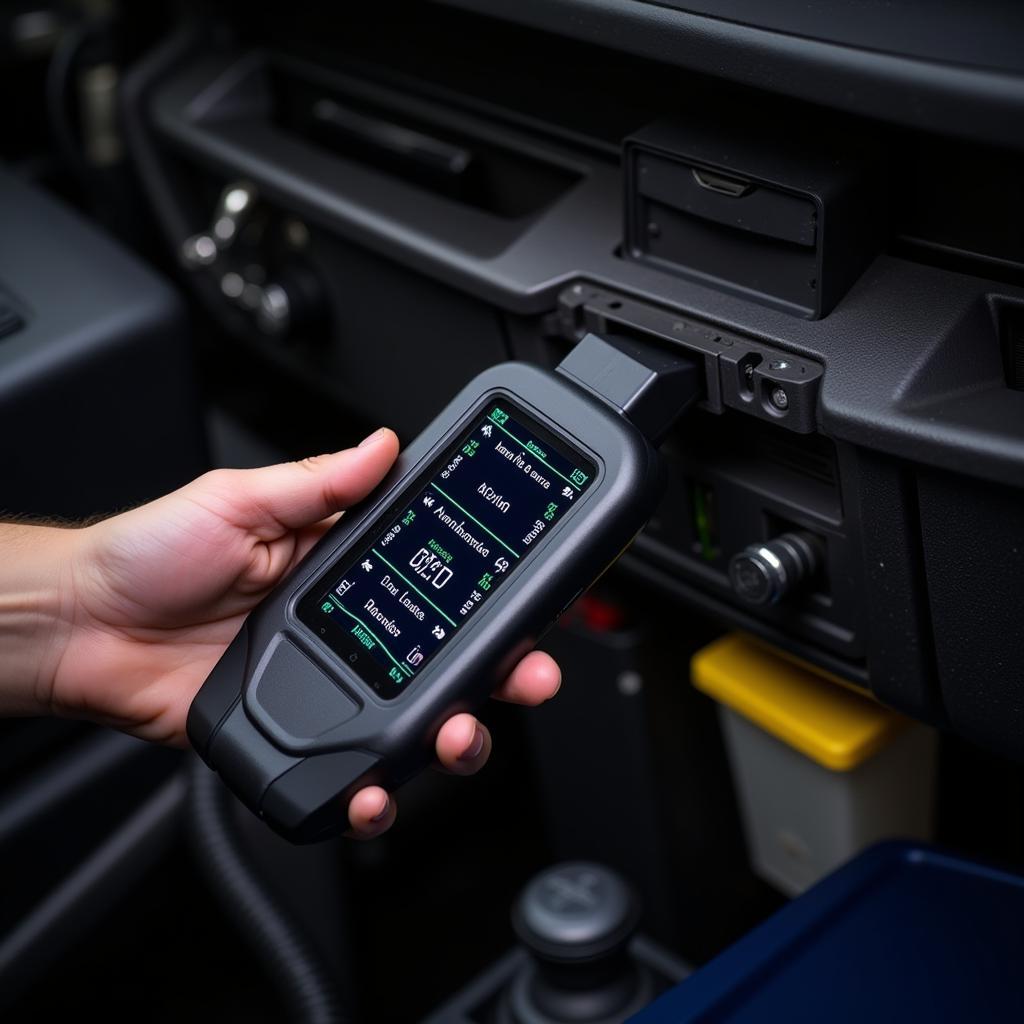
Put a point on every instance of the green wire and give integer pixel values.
(702, 498)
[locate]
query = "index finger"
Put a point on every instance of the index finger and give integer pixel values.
(534, 680)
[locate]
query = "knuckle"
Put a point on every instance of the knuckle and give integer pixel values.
(217, 479)
(311, 463)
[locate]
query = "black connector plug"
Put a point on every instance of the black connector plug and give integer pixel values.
(651, 387)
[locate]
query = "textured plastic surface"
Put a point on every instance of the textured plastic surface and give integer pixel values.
(272, 703)
(972, 542)
(827, 723)
(903, 933)
(301, 787)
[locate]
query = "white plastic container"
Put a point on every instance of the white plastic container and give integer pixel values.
(820, 771)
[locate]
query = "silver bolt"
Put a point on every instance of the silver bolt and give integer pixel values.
(274, 313)
(780, 399)
(232, 285)
(237, 198)
(629, 683)
(224, 228)
(198, 251)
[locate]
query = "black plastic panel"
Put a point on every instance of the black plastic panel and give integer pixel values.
(973, 537)
(982, 34)
(918, 73)
(99, 381)
(895, 603)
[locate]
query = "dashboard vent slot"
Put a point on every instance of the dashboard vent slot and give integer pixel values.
(807, 459)
(441, 151)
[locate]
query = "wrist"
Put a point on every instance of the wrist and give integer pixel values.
(37, 610)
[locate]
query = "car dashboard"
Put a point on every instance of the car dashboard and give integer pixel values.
(356, 211)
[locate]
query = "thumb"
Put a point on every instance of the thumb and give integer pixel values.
(298, 494)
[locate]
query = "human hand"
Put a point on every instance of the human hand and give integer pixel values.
(155, 595)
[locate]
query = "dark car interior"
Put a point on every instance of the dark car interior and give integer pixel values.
(237, 234)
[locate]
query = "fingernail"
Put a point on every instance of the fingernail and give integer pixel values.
(383, 812)
(373, 438)
(472, 752)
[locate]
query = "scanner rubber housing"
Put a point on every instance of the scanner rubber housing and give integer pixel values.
(266, 719)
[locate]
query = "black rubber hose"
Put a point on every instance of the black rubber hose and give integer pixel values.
(297, 971)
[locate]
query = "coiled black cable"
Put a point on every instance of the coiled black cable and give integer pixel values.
(297, 971)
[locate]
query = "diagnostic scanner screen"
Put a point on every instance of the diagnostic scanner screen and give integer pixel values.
(437, 555)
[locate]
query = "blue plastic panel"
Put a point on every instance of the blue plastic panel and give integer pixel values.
(902, 933)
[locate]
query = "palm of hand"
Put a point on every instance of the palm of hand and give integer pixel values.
(159, 597)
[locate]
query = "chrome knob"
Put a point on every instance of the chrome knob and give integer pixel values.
(232, 211)
(198, 251)
(766, 573)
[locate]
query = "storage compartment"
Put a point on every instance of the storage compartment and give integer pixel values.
(774, 220)
(820, 771)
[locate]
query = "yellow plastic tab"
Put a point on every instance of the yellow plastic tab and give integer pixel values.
(830, 724)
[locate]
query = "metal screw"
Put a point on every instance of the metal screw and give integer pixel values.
(629, 683)
(224, 229)
(232, 285)
(748, 376)
(780, 399)
(198, 251)
(274, 313)
(236, 198)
